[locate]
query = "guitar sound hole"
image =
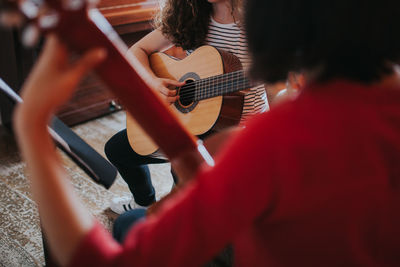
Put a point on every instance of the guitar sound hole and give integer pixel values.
(187, 93)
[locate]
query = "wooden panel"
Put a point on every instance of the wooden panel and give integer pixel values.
(122, 12)
(91, 100)
(8, 72)
(132, 20)
(15, 64)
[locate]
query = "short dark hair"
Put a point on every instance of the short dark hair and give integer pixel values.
(352, 39)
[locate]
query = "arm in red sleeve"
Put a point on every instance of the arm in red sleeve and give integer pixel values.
(204, 217)
(97, 248)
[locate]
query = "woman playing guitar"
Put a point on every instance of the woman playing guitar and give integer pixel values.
(189, 25)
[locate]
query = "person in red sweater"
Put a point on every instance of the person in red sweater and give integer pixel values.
(313, 182)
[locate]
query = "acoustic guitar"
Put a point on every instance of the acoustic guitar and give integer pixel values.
(210, 100)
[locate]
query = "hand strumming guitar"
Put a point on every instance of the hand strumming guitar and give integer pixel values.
(152, 43)
(166, 88)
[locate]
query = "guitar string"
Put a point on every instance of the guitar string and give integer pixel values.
(210, 85)
(221, 87)
(217, 89)
(226, 76)
(209, 88)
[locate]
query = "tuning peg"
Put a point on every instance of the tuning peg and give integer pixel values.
(49, 20)
(30, 9)
(30, 35)
(73, 4)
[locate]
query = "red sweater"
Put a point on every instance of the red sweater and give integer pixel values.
(314, 182)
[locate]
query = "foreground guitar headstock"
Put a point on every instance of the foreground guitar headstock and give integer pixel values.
(36, 17)
(27, 15)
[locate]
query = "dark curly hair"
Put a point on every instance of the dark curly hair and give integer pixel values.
(350, 39)
(185, 22)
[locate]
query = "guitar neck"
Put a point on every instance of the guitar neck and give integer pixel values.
(221, 85)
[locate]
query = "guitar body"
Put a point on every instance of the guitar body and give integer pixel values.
(199, 117)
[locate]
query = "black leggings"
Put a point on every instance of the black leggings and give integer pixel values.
(133, 167)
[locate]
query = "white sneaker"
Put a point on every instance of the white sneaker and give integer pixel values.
(120, 205)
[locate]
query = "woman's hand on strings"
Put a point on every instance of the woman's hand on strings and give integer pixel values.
(167, 88)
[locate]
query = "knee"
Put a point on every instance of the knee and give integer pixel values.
(109, 149)
(125, 222)
(112, 148)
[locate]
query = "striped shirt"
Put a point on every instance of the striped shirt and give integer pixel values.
(231, 38)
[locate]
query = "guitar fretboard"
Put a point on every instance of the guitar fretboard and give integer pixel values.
(215, 86)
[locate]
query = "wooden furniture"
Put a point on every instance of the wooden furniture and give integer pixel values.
(15, 64)
(130, 18)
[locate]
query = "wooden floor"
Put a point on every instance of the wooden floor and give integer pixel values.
(20, 235)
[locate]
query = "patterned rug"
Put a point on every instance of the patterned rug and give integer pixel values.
(20, 234)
